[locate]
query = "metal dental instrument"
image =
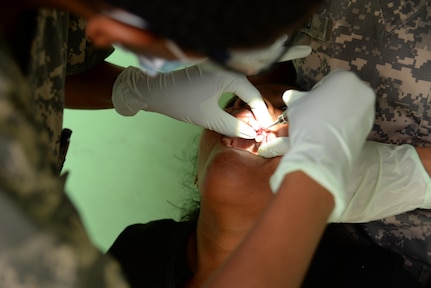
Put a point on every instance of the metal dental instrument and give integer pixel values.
(281, 119)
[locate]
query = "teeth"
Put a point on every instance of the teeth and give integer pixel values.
(260, 136)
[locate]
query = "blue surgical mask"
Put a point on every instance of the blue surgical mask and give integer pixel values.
(153, 65)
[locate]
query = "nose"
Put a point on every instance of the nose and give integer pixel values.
(240, 107)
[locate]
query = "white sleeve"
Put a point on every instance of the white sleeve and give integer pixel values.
(386, 180)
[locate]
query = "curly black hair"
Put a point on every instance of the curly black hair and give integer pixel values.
(205, 25)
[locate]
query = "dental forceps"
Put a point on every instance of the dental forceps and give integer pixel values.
(281, 119)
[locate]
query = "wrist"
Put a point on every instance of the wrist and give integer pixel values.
(330, 177)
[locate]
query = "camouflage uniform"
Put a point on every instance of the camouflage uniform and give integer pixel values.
(43, 242)
(388, 44)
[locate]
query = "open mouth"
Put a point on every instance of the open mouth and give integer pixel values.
(250, 145)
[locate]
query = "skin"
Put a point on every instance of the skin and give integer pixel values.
(92, 89)
(239, 213)
(234, 185)
(214, 243)
(241, 239)
(104, 31)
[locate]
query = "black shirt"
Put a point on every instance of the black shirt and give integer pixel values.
(154, 254)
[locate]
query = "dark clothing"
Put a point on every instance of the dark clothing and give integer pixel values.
(342, 262)
(43, 242)
(388, 45)
(154, 254)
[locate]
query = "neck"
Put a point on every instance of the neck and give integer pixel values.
(213, 245)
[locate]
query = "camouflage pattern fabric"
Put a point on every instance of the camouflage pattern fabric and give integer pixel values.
(43, 242)
(388, 44)
(59, 48)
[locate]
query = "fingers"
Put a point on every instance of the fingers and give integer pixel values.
(260, 111)
(291, 96)
(228, 125)
(245, 131)
(249, 94)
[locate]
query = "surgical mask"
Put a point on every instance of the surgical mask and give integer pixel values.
(153, 65)
(248, 62)
(254, 61)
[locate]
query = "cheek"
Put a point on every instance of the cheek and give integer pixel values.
(207, 144)
(236, 170)
(238, 188)
(283, 130)
(230, 175)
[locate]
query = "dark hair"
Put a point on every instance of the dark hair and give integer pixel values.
(190, 204)
(205, 25)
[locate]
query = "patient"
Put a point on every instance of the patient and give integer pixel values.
(233, 183)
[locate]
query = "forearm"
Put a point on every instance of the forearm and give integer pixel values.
(91, 89)
(280, 247)
(425, 156)
(387, 180)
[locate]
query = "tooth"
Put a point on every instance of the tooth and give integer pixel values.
(259, 138)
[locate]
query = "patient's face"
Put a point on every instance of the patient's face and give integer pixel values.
(231, 176)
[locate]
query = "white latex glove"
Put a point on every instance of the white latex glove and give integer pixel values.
(192, 94)
(327, 129)
(279, 146)
(386, 180)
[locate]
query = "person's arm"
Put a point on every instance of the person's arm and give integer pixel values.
(309, 184)
(386, 180)
(192, 95)
(279, 248)
(425, 156)
(92, 89)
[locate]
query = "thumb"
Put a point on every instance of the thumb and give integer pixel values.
(291, 96)
(274, 148)
(249, 94)
(226, 124)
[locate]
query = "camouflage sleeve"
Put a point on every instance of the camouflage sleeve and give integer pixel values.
(82, 54)
(43, 242)
(387, 43)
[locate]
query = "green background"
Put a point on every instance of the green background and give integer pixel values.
(124, 170)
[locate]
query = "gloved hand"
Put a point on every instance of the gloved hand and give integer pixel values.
(279, 146)
(386, 180)
(327, 129)
(192, 94)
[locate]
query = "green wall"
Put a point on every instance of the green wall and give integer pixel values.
(124, 170)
